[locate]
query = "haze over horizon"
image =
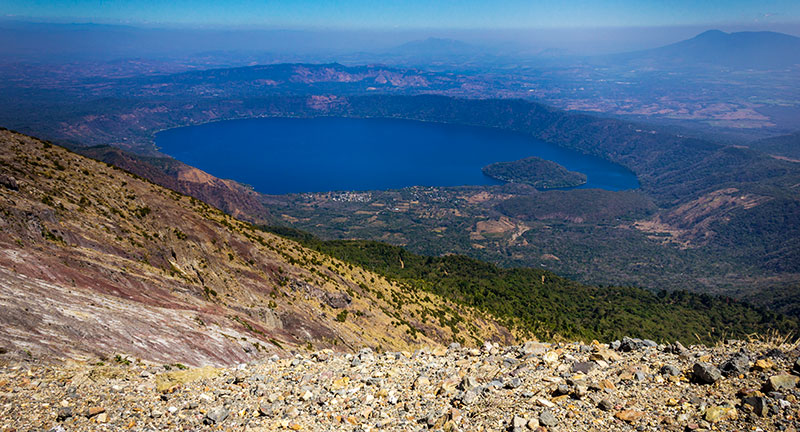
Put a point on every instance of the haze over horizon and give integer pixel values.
(395, 14)
(334, 27)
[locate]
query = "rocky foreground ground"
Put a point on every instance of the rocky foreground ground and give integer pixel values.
(626, 385)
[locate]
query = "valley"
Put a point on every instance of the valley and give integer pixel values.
(707, 217)
(197, 286)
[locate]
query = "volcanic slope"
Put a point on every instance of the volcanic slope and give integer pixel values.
(97, 262)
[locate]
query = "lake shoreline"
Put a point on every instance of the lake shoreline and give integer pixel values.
(281, 155)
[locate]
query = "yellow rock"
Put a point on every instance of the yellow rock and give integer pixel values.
(448, 386)
(606, 384)
(626, 375)
(340, 383)
(440, 422)
(629, 416)
(169, 380)
(763, 364)
(604, 354)
(718, 413)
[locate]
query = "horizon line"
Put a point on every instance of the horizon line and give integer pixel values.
(76, 21)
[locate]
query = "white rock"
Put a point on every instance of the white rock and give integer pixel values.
(545, 403)
(550, 357)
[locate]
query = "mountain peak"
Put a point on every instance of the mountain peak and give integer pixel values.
(739, 50)
(713, 33)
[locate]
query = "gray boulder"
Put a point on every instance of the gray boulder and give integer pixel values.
(706, 373)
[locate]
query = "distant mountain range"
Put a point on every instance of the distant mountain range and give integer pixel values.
(435, 46)
(741, 50)
(713, 48)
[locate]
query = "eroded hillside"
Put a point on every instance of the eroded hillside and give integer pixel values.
(95, 261)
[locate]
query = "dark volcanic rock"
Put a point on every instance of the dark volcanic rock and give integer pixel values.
(547, 418)
(629, 344)
(706, 373)
(606, 405)
(216, 416)
(8, 182)
(669, 370)
(775, 353)
(514, 383)
(64, 413)
(337, 300)
(633, 344)
(759, 405)
(583, 367)
(738, 364)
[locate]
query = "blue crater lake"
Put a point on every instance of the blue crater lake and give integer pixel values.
(289, 155)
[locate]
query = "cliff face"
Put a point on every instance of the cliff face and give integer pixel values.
(227, 195)
(95, 261)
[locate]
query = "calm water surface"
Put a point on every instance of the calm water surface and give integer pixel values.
(287, 155)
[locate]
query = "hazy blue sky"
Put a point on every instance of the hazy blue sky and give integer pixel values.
(387, 14)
